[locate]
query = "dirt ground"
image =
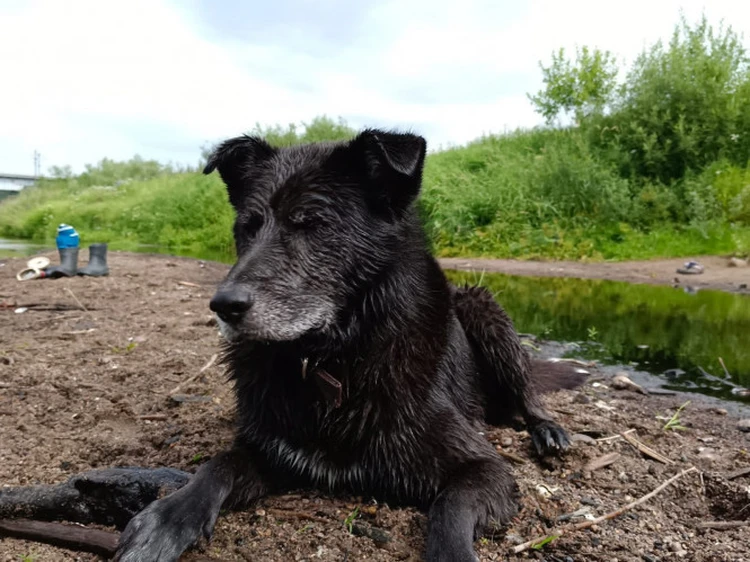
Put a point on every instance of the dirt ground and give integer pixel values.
(82, 389)
(717, 275)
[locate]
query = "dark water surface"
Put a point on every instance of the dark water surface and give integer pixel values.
(661, 330)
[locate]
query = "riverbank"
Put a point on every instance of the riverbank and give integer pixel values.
(90, 372)
(718, 275)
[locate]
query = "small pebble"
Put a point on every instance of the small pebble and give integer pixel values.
(721, 411)
(744, 425)
(708, 454)
(506, 441)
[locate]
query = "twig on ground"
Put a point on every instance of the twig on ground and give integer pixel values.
(73, 537)
(601, 462)
(188, 284)
(648, 451)
(717, 379)
(189, 380)
(586, 524)
(284, 513)
(738, 473)
(618, 436)
(78, 302)
(723, 366)
(722, 525)
(153, 417)
(510, 456)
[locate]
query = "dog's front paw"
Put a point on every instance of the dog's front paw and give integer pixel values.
(164, 530)
(549, 438)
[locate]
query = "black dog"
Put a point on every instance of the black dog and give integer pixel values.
(357, 366)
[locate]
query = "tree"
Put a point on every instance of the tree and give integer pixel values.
(684, 105)
(583, 87)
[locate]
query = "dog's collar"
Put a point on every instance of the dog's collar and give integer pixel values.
(331, 389)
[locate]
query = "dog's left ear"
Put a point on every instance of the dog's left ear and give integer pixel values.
(235, 160)
(392, 164)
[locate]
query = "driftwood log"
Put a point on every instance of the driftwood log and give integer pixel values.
(108, 497)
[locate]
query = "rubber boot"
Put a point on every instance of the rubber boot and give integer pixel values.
(97, 266)
(68, 264)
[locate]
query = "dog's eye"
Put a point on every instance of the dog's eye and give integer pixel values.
(252, 225)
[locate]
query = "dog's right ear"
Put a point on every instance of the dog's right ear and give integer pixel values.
(392, 162)
(235, 160)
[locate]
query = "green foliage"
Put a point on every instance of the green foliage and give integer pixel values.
(657, 166)
(582, 87)
(349, 521)
(682, 106)
(674, 423)
(321, 128)
(546, 540)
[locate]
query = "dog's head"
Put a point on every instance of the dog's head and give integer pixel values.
(315, 224)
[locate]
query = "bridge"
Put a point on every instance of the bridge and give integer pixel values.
(13, 183)
(16, 182)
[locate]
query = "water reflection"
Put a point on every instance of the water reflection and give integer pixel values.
(655, 328)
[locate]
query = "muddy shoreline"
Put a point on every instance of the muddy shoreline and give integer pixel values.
(87, 375)
(717, 275)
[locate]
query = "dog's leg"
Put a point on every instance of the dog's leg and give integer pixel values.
(167, 527)
(507, 368)
(482, 492)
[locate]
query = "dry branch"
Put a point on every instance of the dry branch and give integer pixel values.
(738, 473)
(722, 525)
(289, 514)
(73, 537)
(648, 451)
(601, 462)
(510, 456)
(586, 524)
(613, 437)
(78, 302)
(189, 380)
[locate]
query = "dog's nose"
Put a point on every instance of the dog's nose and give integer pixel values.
(230, 305)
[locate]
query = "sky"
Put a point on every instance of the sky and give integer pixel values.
(83, 80)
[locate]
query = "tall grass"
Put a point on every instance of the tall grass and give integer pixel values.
(185, 210)
(533, 194)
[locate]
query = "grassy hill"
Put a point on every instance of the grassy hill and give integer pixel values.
(655, 165)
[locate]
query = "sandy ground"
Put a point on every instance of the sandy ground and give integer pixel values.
(717, 274)
(77, 387)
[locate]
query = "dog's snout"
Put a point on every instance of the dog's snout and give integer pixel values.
(230, 305)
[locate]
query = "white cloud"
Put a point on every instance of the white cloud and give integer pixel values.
(85, 80)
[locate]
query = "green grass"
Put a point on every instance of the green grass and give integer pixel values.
(541, 194)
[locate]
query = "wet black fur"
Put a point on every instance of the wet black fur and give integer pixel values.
(331, 229)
